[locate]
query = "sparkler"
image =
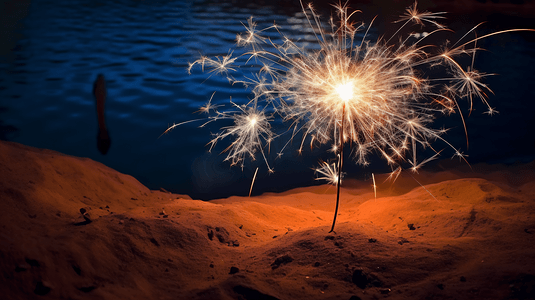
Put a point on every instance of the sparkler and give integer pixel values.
(373, 95)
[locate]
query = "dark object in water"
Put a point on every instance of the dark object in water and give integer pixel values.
(103, 138)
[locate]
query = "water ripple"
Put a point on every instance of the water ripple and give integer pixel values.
(143, 49)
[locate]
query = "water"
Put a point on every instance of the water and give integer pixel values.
(143, 49)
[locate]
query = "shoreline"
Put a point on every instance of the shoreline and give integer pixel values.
(74, 228)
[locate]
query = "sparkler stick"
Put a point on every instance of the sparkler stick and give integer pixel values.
(340, 162)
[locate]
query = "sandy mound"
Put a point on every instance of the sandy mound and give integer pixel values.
(72, 228)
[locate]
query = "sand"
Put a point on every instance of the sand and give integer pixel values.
(72, 228)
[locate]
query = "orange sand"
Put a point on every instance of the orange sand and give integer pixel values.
(473, 239)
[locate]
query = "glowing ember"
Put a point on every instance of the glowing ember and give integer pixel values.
(252, 120)
(345, 91)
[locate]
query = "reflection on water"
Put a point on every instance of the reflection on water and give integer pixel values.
(143, 48)
(6, 130)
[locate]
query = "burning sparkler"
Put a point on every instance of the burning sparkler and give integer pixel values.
(372, 95)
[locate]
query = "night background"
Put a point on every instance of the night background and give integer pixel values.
(122, 226)
(52, 51)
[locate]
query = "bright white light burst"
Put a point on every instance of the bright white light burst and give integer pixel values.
(345, 91)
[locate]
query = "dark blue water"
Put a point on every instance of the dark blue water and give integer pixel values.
(143, 48)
